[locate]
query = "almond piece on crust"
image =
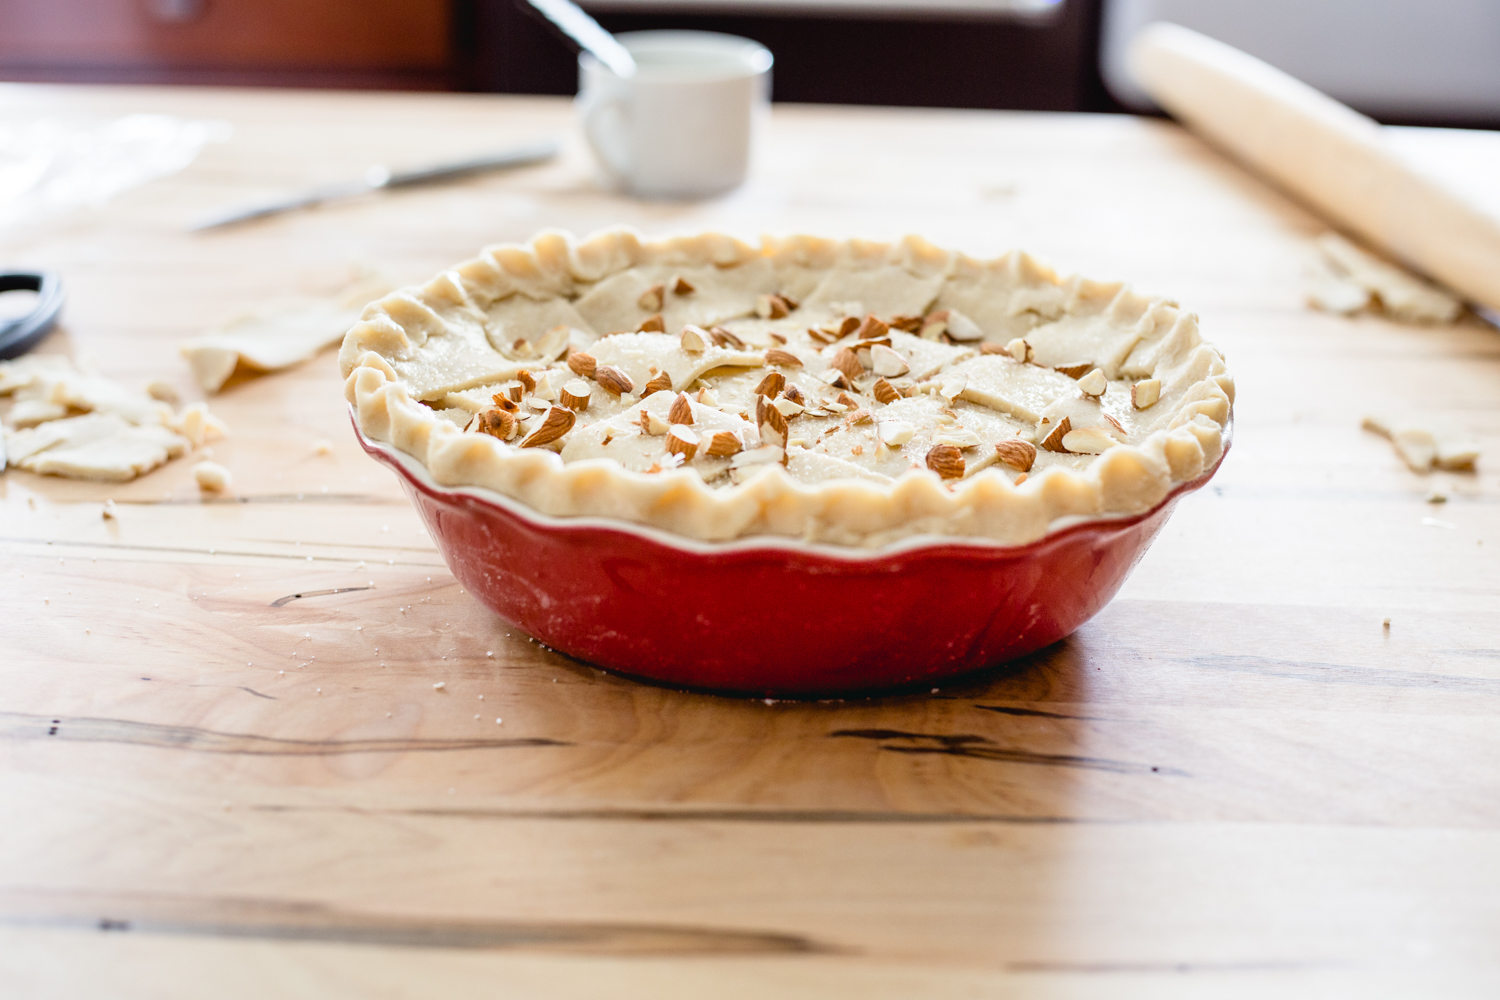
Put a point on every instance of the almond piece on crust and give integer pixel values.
(1054, 440)
(558, 422)
(575, 395)
(660, 382)
(723, 444)
(946, 460)
(1145, 393)
(682, 441)
(1019, 455)
(613, 380)
(652, 298)
(582, 363)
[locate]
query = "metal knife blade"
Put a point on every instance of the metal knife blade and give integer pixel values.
(379, 178)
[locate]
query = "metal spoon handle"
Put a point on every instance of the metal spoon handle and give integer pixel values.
(573, 21)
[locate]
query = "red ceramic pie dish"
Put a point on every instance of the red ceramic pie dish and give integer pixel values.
(772, 616)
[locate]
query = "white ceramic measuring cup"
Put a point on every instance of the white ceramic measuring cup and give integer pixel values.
(682, 126)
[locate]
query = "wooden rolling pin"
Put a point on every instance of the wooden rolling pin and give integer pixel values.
(1331, 156)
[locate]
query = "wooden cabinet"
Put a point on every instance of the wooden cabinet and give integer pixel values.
(339, 43)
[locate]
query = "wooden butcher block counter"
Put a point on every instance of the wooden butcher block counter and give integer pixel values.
(226, 770)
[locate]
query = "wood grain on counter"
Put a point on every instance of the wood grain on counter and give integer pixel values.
(223, 759)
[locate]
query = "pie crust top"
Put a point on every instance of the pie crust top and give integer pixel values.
(843, 392)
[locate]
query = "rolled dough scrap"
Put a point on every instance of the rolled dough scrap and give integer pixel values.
(1400, 295)
(85, 426)
(1333, 292)
(277, 335)
(1425, 443)
(94, 446)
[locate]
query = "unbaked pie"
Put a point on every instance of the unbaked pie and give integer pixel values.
(842, 392)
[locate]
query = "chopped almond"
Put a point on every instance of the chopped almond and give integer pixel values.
(723, 443)
(695, 339)
(773, 307)
(682, 441)
(885, 392)
(681, 411)
(935, 325)
(652, 298)
(946, 460)
(681, 286)
(575, 395)
(873, 329)
(847, 362)
(894, 433)
(886, 361)
(1019, 455)
(660, 382)
(772, 424)
(558, 422)
(496, 423)
(613, 380)
(1145, 393)
(1054, 440)
(652, 424)
(776, 356)
(582, 364)
(1093, 384)
(723, 338)
(772, 384)
(961, 328)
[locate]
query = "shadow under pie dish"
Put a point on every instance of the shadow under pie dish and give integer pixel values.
(803, 467)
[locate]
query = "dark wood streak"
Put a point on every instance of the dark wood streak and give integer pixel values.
(983, 748)
(1477, 654)
(690, 815)
(1036, 713)
(283, 601)
(347, 498)
(277, 920)
(1340, 673)
(16, 725)
(258, 694)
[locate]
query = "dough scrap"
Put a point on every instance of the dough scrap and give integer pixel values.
(1426, 443)
(79, 425)
(1399, 294)
(277, 335)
